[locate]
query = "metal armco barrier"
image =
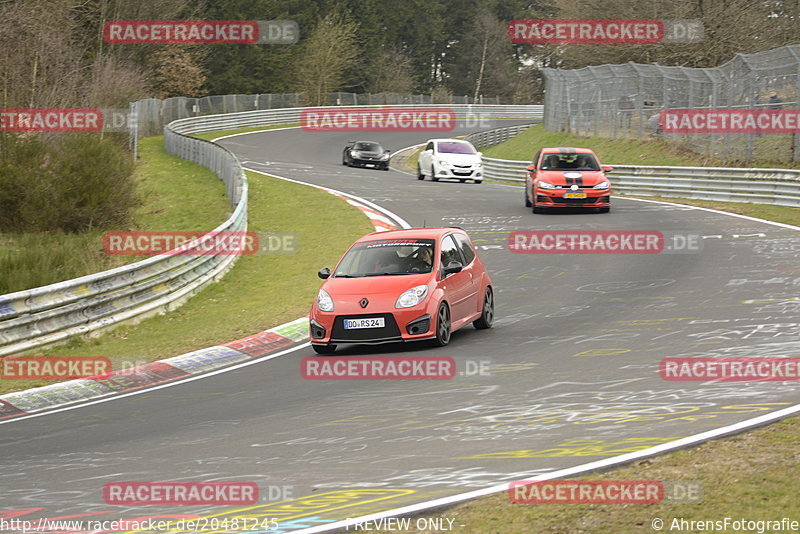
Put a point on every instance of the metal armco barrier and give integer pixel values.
(54, 313)
(780, 187)
(51, 314)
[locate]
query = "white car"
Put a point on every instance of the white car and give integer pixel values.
(450, 158)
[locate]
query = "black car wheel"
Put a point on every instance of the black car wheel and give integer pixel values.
(324, 349)
(534, 207)
(442, 326)
(462, 180)
(604, 210)
(433, 174)
(420, 176)
(487, 314)
(527, 198)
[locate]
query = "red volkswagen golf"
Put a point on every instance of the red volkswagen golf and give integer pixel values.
(567, 178)
(402, 285)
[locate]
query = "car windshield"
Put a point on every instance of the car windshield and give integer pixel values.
(455, 147)
(387, 257)
(569, 162)
(368, 147)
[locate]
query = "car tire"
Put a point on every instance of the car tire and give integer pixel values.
(386, 167)
(527, 199)
(462, 180)
(433, 174)
(535, 208)
(324, 349)
(478, 181)
(443, 325)
(604, 210)
(420, 176)
(487, 311)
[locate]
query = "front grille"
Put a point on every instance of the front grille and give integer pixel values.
(589, 200)
(461, 173)
(390, 331)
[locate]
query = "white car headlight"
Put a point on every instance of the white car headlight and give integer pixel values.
(444, 163)
(324, 301)
(602, 185)
(546, 185)
(385, 156)
(412, 297)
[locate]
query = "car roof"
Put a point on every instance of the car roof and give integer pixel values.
(449, 140)
(566, 150)
(363, 141)
(411, 233)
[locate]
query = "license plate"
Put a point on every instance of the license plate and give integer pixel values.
(370, 164)
(367, 322)
(574, 195)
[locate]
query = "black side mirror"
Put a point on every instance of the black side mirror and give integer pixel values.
(324, 273)
(387, 151)
(607, 168)
(453, 267)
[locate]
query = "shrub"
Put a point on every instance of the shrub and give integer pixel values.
(69, 183)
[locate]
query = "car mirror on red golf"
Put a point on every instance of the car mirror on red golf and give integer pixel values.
(531, 168)
(453, 267)
(607, 168)
(324, 273)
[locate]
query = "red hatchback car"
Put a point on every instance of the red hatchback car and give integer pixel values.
(567, 178)
(402, 285)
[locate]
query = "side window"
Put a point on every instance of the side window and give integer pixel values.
(536, 158)
(450, 252)
(466, 248)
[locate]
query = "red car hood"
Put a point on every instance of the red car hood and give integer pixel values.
(374, 285)
(587, 178)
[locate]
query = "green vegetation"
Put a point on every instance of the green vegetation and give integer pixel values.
(261, 291)
(750, 476)
(209, 136)
(171, 194)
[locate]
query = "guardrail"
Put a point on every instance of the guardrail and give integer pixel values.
(762, 186)
(779, 187)
(42, 316)
(50, 314)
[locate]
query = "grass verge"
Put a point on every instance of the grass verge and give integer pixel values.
(261, 291)
(209, 136)
(749, 476)
(174, 195)
(614, 151)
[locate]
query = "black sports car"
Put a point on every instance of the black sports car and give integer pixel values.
(365, 154)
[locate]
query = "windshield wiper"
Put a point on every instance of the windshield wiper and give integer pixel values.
(386, 274)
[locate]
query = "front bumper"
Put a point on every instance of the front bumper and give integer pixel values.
(369, 162)
(595, 198)
(400, 325)
(460, 172)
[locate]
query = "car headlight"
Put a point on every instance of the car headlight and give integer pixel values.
(444, 163)
(412, 297)
(355, 153)
(602, 185)
(385, 156)
(324, 301)
(546, 185)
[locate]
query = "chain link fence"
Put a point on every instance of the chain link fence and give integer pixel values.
(152, 114)
(619, 101)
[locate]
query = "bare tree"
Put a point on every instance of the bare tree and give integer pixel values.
(391, 72)
(328, 52)
(178, 72)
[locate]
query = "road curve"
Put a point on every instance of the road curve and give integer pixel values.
(572, 366)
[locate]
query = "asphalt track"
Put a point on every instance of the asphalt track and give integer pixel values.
(572, 367)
